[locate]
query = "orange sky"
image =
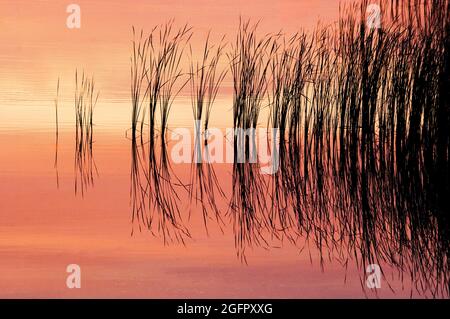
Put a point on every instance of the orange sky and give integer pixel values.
(37, 47)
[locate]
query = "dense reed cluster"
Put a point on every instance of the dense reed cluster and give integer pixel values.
(250, 59)
(205, 80)
(363, 115)
(157, 79)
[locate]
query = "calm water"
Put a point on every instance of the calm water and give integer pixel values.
(45, 225)
(45, 228)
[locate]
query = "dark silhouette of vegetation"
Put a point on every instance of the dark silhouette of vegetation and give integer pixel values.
(363, 120)
(157, 79)
(85, 101)
(205, 80)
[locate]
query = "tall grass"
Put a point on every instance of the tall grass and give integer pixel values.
(139, 92)
(157, 78)
(205, 80)
(85, 100)
(249, 59)
(364, 125)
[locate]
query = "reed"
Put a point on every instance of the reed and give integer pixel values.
(364, 125)
(249, 60)
(205, 80)
(86, 98)
(139, 61)
(157, 78)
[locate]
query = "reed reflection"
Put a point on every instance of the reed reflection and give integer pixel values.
(157, 79)
(85, 101)
(363, 116)
(205, 80)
